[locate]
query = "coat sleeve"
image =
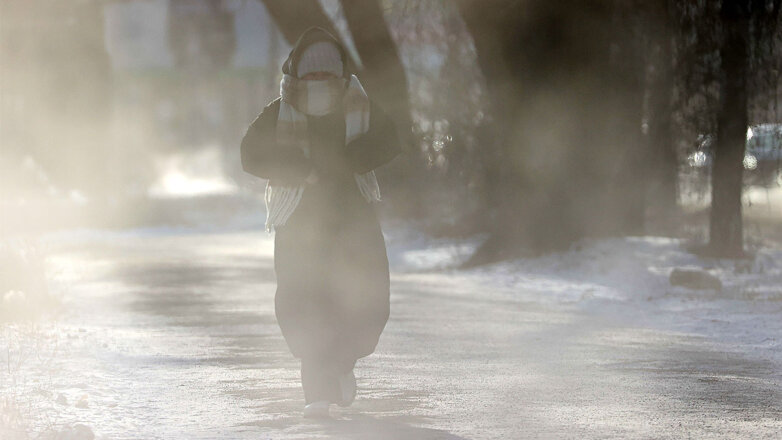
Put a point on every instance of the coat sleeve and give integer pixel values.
(377, 146)
(262, 157)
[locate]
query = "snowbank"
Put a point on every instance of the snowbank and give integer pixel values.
(619, 278)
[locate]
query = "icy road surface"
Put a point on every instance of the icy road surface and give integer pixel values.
(171, 335)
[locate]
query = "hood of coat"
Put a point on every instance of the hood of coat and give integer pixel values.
(309, 37)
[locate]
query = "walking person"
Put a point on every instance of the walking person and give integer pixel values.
(318, 144)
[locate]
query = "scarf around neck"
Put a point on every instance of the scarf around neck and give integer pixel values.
(300, 98)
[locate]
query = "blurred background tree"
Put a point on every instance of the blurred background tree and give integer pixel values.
(535, 123)
(56, 85)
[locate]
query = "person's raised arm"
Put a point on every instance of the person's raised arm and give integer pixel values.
(262, 157)
(378, 146)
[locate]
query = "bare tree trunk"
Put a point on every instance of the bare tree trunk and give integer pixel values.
(567, 124)
(627, 78)
(726, 229)
(765, 65)
(662, 153)
(293, 17)
(383, 73)
(486, 25)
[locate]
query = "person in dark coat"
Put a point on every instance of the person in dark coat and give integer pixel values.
(332, 299)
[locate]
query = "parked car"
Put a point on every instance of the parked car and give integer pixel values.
(762, 157)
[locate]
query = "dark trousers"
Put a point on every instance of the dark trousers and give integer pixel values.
(320, 379)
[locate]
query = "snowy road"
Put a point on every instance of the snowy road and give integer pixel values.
(173, 336)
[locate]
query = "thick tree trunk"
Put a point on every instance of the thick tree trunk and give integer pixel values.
(485, 25)
(567, 120)
(627, 90)
(663, 165)
(764, 86)
(726, 229)
(383, 74)
(293, 17)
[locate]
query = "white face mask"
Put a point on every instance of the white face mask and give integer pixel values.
(324, 96)
(313, 97)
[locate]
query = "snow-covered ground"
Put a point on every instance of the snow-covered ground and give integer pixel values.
(170, 334)
(624, 277)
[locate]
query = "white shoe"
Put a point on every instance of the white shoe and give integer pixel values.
(317, 410)
(347, 385)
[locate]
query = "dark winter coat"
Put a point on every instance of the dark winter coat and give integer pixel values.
(330, 258)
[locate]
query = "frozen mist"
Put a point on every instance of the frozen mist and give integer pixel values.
(546, 119)
(170, 334)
